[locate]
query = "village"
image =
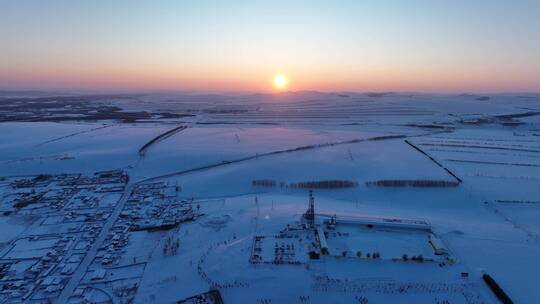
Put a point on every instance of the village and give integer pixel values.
(65, 214)
(69, 217)
(142, 230)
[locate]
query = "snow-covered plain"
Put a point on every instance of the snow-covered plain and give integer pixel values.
(486, 149)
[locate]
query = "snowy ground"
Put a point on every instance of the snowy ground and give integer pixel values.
(487, 148)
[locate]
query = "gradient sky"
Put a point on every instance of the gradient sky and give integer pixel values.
(405, 45)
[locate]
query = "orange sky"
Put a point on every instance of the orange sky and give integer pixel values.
(485, 46)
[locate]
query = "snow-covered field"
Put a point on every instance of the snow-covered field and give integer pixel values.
(204, 201)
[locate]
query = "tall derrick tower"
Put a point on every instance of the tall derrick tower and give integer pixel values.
(310, 212)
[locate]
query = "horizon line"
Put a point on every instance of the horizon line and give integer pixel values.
(102, 91)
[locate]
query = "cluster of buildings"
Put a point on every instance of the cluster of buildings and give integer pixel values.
(62, 215)
(43, 193)
(156, 206)
(119, 263)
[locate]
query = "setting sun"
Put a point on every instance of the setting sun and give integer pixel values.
(280, 81)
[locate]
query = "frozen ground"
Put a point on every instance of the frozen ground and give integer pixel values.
(218, 204)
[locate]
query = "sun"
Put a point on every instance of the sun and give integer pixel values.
(280, 82)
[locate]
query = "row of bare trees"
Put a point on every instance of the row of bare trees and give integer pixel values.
(324, 184)
(412, 183)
